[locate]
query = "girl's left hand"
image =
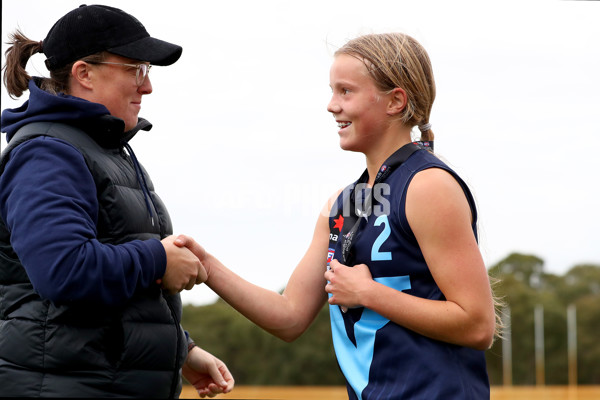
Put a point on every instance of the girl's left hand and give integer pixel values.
(347, 285)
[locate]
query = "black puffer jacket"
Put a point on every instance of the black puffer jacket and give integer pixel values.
(85, 349)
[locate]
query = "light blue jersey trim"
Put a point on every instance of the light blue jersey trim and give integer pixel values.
(355, 362)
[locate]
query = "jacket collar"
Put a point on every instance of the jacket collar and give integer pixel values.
(108, 131)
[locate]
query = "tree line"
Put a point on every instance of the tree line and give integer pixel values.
(257, 358)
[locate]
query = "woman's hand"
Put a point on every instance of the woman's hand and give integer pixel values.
(207, 373)
(183, 270)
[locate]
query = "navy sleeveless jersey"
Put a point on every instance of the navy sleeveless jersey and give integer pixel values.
(380, 359)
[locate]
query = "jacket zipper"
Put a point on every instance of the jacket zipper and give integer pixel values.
(177, 358)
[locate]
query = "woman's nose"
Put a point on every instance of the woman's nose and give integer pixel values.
(146, 87)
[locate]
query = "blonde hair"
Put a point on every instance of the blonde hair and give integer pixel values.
(396, 60)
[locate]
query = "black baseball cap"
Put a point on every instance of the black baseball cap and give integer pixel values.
(92, 29)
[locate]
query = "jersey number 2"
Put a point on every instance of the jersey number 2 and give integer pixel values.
(376, 254)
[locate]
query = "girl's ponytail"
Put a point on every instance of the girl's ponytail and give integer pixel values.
(426, 132)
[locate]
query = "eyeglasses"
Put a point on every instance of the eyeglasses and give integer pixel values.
(141, 72)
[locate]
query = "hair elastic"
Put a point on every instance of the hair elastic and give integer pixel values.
(425, 127)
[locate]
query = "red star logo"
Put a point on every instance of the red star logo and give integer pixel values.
(339, 223)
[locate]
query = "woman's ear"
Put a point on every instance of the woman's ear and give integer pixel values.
(398, 100)
(81, 74)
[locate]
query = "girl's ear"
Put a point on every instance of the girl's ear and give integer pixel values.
(81, 74)
(398, 100)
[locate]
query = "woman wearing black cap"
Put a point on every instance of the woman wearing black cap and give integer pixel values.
(89, 275)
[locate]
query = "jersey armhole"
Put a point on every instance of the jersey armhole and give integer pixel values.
(401, 211)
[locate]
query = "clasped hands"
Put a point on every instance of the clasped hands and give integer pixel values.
(184, 268)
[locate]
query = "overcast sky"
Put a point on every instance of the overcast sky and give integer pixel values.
(244, 152)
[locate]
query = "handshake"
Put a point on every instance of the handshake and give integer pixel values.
(184, 264)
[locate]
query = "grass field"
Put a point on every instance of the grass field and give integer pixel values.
(339, 393)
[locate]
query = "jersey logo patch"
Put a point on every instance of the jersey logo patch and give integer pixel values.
(330, 254)
(339, 223)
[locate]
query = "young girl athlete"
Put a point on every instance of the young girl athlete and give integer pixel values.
(410, 299)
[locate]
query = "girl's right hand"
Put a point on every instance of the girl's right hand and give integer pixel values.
(188, 242)
(184, 269)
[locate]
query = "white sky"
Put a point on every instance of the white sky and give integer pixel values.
(244, 153)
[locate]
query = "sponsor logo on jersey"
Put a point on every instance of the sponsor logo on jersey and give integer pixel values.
(330, 254)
